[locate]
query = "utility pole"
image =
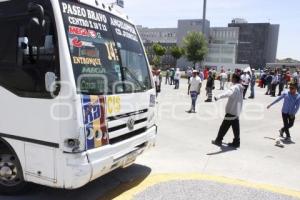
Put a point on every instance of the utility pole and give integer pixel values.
(204, 17)
(203, 26)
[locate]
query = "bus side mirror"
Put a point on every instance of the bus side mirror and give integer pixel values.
(36, 26)
(50, 82)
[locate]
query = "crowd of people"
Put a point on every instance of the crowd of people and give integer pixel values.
(278, 78)
(236, 84)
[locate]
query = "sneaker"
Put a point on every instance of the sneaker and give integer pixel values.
(234, 145)
(217, 143)
(288, 139)
(189, 111)
(281, 133)
(208, 100)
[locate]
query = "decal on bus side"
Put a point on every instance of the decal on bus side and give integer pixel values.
(94, 119)
(113, 105)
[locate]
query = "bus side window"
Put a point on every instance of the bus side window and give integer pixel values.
(23, 67)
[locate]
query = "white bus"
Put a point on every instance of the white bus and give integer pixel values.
(77, 95)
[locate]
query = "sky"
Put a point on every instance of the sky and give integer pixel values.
(165, 13)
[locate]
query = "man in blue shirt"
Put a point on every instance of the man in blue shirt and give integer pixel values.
(289, 110)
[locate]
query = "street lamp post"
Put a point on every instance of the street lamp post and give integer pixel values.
(203, 26)
(204, 17)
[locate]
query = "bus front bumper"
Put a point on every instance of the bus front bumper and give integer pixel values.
(90, 165)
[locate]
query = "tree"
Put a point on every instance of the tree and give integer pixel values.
(195, 46)
(177, 52)
(159, 51)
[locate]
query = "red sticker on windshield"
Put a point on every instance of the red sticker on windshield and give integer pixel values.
(82, 32)
(76, 42)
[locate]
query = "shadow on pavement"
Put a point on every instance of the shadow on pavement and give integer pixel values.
(224, 149)
(282, 140)
(288, 142)
(129, 183)
(106, 187)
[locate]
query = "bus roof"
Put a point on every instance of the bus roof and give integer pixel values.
(99, 4)
(108, 7)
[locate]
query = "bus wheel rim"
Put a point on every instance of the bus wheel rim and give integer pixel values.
(9, 173)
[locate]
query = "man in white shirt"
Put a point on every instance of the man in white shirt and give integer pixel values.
(246, 78)
(177, 78)
(233, 111)
(194, 90)
(223, 79)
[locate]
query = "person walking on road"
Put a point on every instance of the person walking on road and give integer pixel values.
(167, 77)
(201, 75)
(189, 74)
(195, 85)
(289, 110)
(172, 75)
(233, 111)
(252, 85)
(274, 84)
(229, 74)
(263, 79)
(281, 82)
(157, 81)
(177, 78)
(245, 82)
(287, 79)
(210, 86)
(268, 81)
(223, 79)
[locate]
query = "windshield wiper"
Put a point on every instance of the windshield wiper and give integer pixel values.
(91, 93)
(141, 84)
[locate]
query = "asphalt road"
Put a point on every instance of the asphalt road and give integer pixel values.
(185, 165)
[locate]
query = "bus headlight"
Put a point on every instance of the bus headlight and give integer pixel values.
(73, 145)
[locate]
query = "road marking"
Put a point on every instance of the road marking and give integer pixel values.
(162, 178)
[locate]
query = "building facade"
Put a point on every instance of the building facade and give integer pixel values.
(244, 43)
(158, 35)
(169, 37)
(222, 46)
(257, 43)
(183, 28)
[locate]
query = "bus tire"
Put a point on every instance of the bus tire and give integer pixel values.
(11, 173)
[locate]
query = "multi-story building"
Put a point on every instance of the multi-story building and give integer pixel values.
(240, 43)
(257, 43)
(167, 37)
(191, 25)
(158, 35)
(186, 26)
(222, 45)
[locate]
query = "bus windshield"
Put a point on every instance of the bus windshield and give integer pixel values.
(106, 53)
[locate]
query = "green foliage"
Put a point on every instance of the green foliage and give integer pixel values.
(158, 49)
(195, 46)
(156, 61)
(177, 52)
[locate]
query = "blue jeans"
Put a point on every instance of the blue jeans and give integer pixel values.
(194, 96)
